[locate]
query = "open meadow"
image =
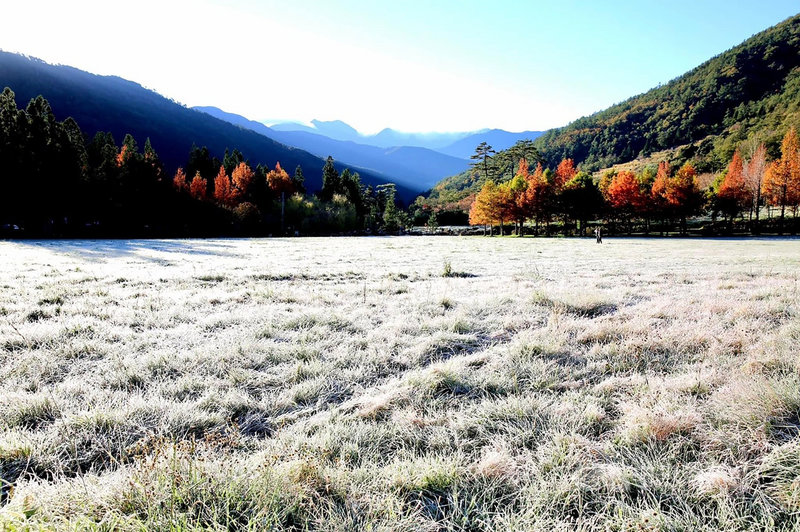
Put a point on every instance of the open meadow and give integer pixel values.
(400, 383)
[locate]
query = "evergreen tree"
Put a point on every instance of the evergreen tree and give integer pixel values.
(331, 183)
(298, 180)
(481, 157)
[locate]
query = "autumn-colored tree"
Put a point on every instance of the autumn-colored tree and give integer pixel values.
(127, 151)
(223, 192)
(658, 203)
(242, 180)
(733, 195)
(480, 211)
(280, 182)
(179, 181)
(512, 191)
(658, 192)
(524, 169)
(626, 197)
(624, 193)
(123, 155)
(537, 199)
(605, 182)
(683, 195)
(781, 186)
(198, 188)
(490, 206)
(754, 172)
(565, 172)
(462, 205)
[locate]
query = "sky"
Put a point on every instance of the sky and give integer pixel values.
(412, 65)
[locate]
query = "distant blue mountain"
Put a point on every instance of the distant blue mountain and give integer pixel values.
(499, 139)
(433, 141)
(459, 144)
(387, 138)
(336, 129)
(414, 167)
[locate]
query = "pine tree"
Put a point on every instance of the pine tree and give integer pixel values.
(298, 180)
(330, 180)
(481, 157)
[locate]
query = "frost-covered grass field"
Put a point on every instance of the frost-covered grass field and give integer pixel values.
(348, 384)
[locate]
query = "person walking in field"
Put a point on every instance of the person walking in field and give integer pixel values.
(598, 234)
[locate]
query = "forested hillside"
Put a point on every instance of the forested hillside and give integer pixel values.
(57, 183)
(744, 97)
(751, 90)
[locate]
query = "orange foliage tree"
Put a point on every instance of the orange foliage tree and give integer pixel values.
(625, 196)
(659, 206)
(683, 195)
(565, 172)
(480, 210)
(733, 194)
(198, 188)
(179, 181)
(241, 180)
(781, 185)
(536, 199)
(754, 172)
(223, 192)
(514, 192)
(280, 182)
(124, 155)
(490, 206)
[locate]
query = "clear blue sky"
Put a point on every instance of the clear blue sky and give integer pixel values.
(414, 65)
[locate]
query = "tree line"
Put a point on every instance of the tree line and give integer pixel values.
(56, 182)
(267, 199)
(659, 198)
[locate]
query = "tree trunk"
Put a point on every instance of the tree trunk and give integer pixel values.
(783, 209)
(758, 209)
(283, 205)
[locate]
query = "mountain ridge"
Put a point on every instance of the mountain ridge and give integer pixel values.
(414, 167)
(460, 144)
(751, 89)
(112, 103)
(750, 92)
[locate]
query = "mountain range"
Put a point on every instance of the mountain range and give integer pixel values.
(456, 144)
(112, 104)
(414, 167)
(414, 160)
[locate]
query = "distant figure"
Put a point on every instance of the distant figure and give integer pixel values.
(598, 234)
